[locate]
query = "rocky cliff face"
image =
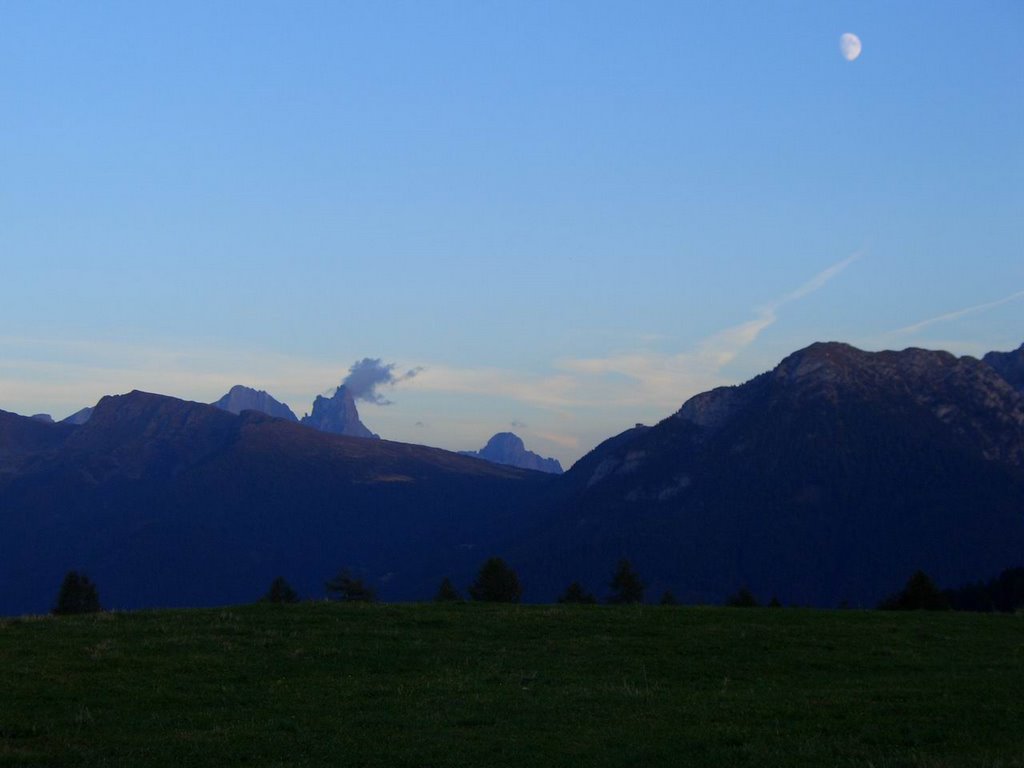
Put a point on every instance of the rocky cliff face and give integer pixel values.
(508, 448)
(337, 415)
(1009, 365)
(241, 398)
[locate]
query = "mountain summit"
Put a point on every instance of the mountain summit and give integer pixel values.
(337, 415)
(508, 448)
(241, 398)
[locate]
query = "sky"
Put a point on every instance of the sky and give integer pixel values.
(564, 218)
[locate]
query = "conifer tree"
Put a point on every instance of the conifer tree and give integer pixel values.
(496, 583)
(919, 594)
(447, 593)
(280, 592)
(347, 588)
(626, 585)
(744, 598)
(575, 593)
(77, 595)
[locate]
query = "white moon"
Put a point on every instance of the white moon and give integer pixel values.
(849, 46)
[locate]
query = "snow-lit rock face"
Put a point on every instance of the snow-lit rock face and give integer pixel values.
(338, 415)
(508, 448)
(241, 398)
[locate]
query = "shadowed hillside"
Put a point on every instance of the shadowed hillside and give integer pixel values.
(166, 502)
(832, 477)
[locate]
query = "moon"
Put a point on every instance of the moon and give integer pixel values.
(849, 46)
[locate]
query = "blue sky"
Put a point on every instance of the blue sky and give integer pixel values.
(572, 215)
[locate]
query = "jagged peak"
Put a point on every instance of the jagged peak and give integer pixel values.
(338, 415)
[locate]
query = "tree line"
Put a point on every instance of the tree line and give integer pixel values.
(497, 582)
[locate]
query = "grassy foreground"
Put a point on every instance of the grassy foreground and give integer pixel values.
(461, 685)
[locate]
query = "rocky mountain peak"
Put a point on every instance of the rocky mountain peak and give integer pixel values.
(338, 415)
(240, 398)
(508, 448)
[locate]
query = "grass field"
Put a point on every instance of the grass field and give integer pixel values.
(486, 685)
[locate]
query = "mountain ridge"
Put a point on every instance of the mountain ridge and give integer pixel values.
(829, 478)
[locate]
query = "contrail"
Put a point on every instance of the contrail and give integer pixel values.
(958, 314)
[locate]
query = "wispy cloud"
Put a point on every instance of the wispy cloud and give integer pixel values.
(666, 378)
(957, 314)
(552, 391)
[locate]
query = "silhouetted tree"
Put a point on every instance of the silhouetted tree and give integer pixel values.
(575, 593)
(1003, 593)
(347, 588)
(667, 598)
(744, 598)
(919, 594)
(496, 583)
(77, 595)
(280, 592)
(775, 602)
(972, 597)
(1008, 590)
(626, 585)
(447, 593)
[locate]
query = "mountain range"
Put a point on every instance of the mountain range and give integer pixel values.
(829, 479)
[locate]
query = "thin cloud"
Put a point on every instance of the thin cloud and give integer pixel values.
(571, 442)
(957, 314)
(819, 280)
(664, 379)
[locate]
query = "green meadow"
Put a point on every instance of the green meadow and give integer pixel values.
(497, 685)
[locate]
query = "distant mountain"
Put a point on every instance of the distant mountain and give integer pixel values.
(43, 417)
(833, 477)
(165, 502)
(78, 417)
(508, 448)
(241, 398)
(337, 415)
(1010, 366)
